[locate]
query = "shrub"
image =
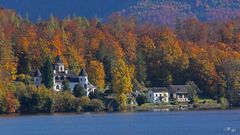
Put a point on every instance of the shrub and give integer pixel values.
(95, 105)
(224, 103)
(78, 91)
(141, 99)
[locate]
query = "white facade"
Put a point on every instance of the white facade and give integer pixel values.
(157, 96)
(61, 75)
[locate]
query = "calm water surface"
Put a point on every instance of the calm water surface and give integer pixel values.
(146, 123)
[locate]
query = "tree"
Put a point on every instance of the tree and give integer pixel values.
(141, 71)
(48, 73)
(66, 86)
(230, 70)
(192, 89)
(78, 91)
(7, 59)
(96, 74)
(95, 105)
(141, 99)
(121, 81)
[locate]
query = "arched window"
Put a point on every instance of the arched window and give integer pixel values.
(61, 68)
(85, 86)
(57, 87)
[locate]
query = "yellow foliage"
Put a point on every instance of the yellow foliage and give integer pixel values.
(96, 74)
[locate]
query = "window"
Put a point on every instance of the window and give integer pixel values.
(156, 95)
(81, 79)
(57, 87)
(61, 68)
(180, 96)
(150, 95)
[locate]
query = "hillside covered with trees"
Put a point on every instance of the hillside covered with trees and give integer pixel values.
(162, 12)
(125, 55)
(166, 11)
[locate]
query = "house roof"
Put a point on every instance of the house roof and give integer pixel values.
(158, 89)
(73, 79)
(58, 59)
(83, 73)
(37, 73)
(178, 89)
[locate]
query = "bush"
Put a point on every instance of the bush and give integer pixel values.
(141, 99)
(34, 100)
(94, 95)
(78, 91)
(224, 103)
(65, 102)
(95, 105)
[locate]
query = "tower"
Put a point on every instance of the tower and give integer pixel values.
(37, 78)
(83, 79)
(59, 65)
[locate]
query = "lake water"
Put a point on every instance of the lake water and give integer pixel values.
(142, 123)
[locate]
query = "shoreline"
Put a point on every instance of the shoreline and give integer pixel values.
(13, 115)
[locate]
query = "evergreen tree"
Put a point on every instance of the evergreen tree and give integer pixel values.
(48, 73)
(78, 91)
(66, 86)
(141, 68)
(24, 66)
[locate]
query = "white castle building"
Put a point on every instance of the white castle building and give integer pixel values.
(61, 74)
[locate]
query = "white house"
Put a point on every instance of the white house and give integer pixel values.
(158, 95)
(61, 75)
(179, 93)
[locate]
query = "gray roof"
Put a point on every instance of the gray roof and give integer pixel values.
(70, 76)
(58, 59)
(37, 73)
(158, 89)
(73, 79)
(178, 89)
(83, 73)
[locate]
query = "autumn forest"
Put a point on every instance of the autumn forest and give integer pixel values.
(120, 56)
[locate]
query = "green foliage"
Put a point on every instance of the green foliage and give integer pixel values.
(48, 73)
(141, 99)
(66, 86)
(65, 102)
(141, 73)
(192, 89)
(95, 105)
(224, 103)
(95, 94)
(34, 100)
(230, 70)
(78, 91)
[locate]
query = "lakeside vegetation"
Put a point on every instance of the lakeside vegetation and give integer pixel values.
(122, 57)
